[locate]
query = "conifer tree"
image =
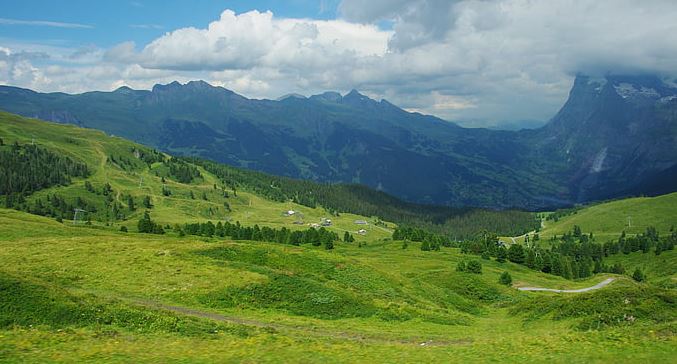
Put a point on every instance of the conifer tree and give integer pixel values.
(505, 279)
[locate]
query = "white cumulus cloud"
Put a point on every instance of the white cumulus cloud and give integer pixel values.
(480, 62)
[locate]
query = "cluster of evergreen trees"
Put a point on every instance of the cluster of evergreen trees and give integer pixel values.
(181, 171)
(574, 255)
(147, 225)
(457, 223)
(429, 241)
(236, 231)
(148, 156)
(55, 206)
(555, 216)
(103, 208)
(25, 169)
(471, 266)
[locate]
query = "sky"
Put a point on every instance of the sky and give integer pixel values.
(480, 63)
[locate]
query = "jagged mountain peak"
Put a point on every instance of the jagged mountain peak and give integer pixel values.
(291, 96)
(330, 96)
(597, 146)
(355, 96)
(632, 87)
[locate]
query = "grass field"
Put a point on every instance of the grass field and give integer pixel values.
(632, 215)
(83, 294)
(90, 293)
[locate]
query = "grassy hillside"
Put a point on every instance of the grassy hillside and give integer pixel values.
(632, 215)
(86, 294)
(112, 161)
(220, 192)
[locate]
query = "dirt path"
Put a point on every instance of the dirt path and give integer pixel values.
(602, 284)
(355, 336)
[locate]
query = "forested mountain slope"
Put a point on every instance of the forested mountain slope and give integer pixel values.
(52, 169)
(614, 137)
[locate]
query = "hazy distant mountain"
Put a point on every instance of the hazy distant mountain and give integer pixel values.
(517, 125)
(613, 136)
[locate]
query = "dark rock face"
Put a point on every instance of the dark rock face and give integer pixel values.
(614, 136)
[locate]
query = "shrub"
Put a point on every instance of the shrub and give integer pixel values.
(505, 279)
(474, 266)
(638, 275)
(460, 267)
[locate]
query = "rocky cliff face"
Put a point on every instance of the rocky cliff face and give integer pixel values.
(612, 133)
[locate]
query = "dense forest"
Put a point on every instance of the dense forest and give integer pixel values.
(25, 169)
(181, 171)
(458, 223)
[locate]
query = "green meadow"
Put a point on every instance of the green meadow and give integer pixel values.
(88, 292)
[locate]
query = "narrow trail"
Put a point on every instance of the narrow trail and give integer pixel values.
(346, 335)
(602, 284)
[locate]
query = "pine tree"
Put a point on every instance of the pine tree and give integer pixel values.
(638, 275)
(598, 267)
(505, 279)
(474, 266)
(145, 224)
(502, 254)
(566, 269)
(147, 202)
(516, 254)
(530, 260)
(584, 269)
(659, 248)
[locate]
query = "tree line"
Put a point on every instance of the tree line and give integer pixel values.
(574, 255)
(457, 223)
(236, 231)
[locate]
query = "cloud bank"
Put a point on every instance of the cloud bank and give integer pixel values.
(478, 62)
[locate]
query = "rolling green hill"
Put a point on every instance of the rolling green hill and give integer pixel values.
(86, 291)
(78, 293)
(220, 192)
(632, 215)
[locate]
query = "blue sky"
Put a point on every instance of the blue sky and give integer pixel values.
(478, 63)
(112, 22)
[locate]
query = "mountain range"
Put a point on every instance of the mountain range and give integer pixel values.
(615, 136)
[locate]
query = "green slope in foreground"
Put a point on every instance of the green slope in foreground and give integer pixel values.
(79, 293)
